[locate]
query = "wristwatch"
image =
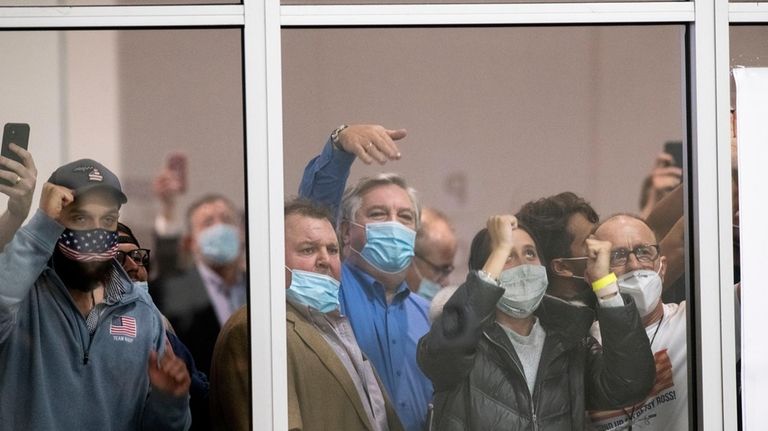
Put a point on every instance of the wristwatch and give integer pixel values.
(335, 136)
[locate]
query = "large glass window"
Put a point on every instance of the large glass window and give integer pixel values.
(596, 104)
(747, 50)
(164, 110)
(130, 97)
(501, 116)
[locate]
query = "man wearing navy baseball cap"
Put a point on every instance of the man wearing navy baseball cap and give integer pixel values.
(84, 175)
(83, 346)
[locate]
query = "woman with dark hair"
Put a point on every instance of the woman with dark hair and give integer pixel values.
(505, 356)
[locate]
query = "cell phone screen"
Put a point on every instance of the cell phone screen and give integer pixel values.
(14, 133)
(675, 149)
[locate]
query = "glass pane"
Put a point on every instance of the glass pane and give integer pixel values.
(747, 49)
(163, 110)
(500, 120)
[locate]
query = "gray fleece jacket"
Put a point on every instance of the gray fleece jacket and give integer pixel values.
(54, 375)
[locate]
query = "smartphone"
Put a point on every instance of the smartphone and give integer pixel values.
(177, 163)
(13, 133)
(675, 149)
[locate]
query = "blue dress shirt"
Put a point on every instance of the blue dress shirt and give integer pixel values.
(389, 334)
(326, 176)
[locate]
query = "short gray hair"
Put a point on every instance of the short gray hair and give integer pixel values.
(353, 196)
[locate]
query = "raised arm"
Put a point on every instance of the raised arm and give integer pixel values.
(25, 257)
(23, 177)
(325, 176)
(446, 353)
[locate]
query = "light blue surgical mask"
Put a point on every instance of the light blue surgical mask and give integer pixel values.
(219, 244)
(318, 291)
(427, 288)
(388, 246)
(524, 287)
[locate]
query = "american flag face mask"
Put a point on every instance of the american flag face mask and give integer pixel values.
(93, 245)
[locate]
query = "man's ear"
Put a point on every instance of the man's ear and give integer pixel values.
(344, 233)
(662, 267)
(560, 268)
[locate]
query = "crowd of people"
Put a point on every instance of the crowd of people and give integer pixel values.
(565, 321)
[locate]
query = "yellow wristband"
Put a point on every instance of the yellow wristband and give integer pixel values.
(605, 281)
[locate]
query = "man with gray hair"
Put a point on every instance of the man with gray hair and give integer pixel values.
(377, 227)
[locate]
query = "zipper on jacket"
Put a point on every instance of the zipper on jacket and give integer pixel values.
(522, 373)
(87, 349)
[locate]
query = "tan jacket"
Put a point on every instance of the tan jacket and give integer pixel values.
(321, 394)
(230, 395)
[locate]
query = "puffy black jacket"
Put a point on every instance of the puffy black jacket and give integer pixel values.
(478, 378)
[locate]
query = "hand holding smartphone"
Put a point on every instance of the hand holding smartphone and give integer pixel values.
(675, 149)
(13, 133)
(177, 165)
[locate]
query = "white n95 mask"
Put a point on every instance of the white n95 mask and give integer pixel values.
(644, 286)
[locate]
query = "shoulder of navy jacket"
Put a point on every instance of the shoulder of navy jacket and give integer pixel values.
(558, 315)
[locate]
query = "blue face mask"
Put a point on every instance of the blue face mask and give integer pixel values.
(524, 287)
(388, 246)
(219, 244)
(318, 291)
(427, 288)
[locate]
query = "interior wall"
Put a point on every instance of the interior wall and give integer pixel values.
(31, 89)
(496, 116)
(180, 90)
(92, 97)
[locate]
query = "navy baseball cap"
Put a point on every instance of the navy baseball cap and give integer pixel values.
(84, 175)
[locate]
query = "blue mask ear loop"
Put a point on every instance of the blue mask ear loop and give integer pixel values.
(362, 226)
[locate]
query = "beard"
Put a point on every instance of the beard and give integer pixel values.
(82, 276)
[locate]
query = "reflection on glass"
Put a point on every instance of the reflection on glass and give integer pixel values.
(561, 126)
(163, 110)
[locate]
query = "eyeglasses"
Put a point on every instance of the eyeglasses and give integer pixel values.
(443, 271)
(140, 256)
(643, 253)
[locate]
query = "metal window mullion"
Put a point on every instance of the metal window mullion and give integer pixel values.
(264, 165)
(478, 14)
(748, 12)
(120, 16)
(711, 189)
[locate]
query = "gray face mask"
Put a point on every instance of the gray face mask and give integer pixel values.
(524, 287)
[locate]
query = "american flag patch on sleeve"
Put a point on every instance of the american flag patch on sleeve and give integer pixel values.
(123, 325)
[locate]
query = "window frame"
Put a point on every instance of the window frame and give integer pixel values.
(708, 194)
